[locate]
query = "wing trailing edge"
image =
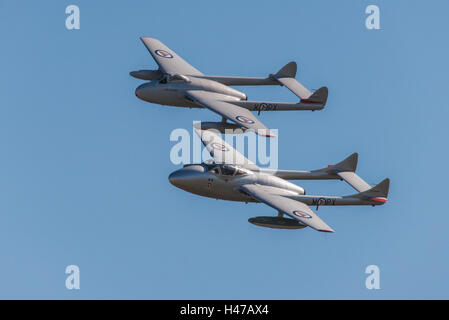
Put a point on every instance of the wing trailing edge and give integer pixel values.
(293, 208)
(222, 105)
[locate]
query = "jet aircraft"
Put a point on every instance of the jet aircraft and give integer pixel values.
(177, 83)
(231, 176)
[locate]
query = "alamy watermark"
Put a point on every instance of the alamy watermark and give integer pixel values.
(258, 149)
(372, 22)
(373, 280)
(72, 22)
(73, 280)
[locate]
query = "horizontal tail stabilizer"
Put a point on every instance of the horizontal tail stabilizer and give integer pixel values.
(294, 86)
(354, 181)
(286, 77)
(345, 170)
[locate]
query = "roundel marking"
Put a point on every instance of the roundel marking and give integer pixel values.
(244, 119)
(219, 146)
(302, 214)
(163, 54)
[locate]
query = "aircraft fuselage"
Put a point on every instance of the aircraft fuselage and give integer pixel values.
(198, 179)
(172, 92)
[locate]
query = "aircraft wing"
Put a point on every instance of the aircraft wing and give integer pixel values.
(217, 103)
(295, 209)
(168, 61)
(221, 151)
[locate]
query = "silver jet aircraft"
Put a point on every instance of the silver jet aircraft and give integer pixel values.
(177, 83)
(231, 176)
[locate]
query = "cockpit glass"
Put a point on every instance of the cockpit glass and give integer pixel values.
(164, 80)
(174, 78)
(240, 172)
(179, 77)
(227, 170)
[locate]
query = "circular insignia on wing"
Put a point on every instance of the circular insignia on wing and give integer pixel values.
(244, 119)
(219, 146)
(163, 54)
(301, 214)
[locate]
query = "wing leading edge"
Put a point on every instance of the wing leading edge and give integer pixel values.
(168, 61)
(221, 151)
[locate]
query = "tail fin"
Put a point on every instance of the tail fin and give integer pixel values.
(318, 97)
(347, 165)
(287, 71)
(378, 193)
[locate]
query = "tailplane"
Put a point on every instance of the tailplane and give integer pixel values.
(345, 170)
(286, 77)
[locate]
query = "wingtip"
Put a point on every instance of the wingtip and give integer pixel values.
(269, 135)
(143, 38)
(326, 230)
(265, 133)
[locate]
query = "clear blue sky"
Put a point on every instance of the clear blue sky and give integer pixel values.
(84, 163)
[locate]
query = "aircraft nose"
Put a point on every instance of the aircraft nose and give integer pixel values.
(186, 178)
(178, 178)
(143, 90)
(139, 92)
(173, 177)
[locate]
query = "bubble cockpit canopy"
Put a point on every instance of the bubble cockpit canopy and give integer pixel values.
(173, 78)
(229, 170)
